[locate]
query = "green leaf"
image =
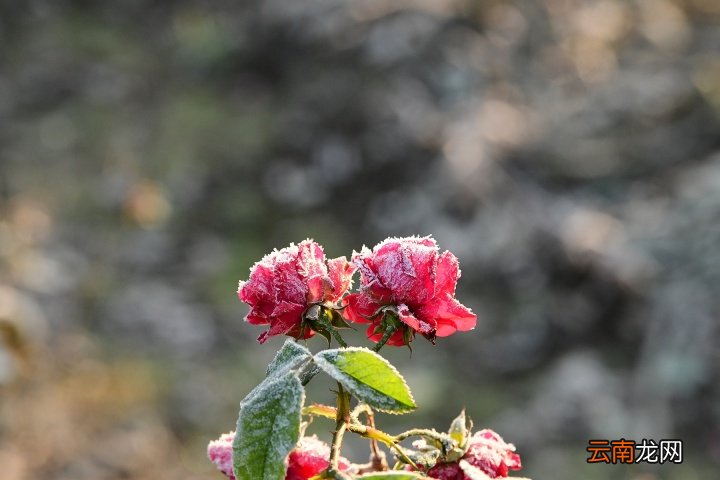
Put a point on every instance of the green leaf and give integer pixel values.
(308, 372)
(369, 377)
(425, 459)
(268, 428)
(459, 430)
(291, 356)
(393, 476)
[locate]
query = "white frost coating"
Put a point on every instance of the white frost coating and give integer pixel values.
(327, 360)
(268, 429)
(407, 266)
(397, 269)
(418, 238)
(394, 475)
(475, 473)
(368, 277)
(291, 356)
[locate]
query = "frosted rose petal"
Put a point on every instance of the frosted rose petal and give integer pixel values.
(285, 282)
(340, 272)
(411, 275)
(220, 453)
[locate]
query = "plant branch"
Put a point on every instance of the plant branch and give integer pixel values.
(342, 420)
(337, 337)
(377, 459)
(389, 440)
(327, 323)
(446, 442)
(386, 336)
(319, 410)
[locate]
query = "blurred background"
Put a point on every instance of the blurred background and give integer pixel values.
(567, 151)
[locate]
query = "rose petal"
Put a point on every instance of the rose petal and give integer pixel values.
(359, 308)
(256, 317)
(370, 281)
(407, 269)
(409, 319)
(311, 267)
(316, 289)
(340, 272)
(285, 316)
(447, 274)
(220, 453)
(259, 287)
(452, 315)
(309, 458)
(446, 471)
(397, 338)
(288, 286)
(489, 452)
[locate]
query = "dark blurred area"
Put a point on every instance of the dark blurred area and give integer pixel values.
(567, 151)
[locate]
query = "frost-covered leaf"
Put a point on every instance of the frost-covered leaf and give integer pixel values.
(392, 476)
(291, 356)
(308, 372)
(268, 428)
(426, 458)
(369, 377)
(283, 365)
(474, 473)
(459, 430)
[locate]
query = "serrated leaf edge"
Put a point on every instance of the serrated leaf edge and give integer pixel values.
(255, 391)
(328, 367)
(300, 355)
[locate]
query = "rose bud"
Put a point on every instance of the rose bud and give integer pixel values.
(220, 453)
(486, 451)
(310, 458)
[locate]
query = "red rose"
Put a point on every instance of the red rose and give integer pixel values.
(411, 276)
(285, 282)
(488, 452)
(309, 458)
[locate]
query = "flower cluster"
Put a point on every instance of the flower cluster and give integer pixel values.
(485, 450)
(406, 286)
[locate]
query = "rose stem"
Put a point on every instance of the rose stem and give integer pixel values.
(342, 418)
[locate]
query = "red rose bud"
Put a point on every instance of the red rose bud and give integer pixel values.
(285, 282)
(220, 453)
(308, 459)
(486, 451)
(409, 286)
